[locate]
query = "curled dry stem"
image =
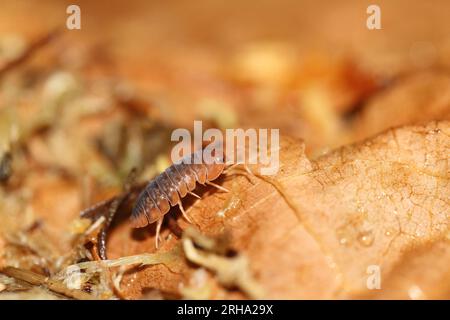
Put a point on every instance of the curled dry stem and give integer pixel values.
(167, 258)
(230, 271)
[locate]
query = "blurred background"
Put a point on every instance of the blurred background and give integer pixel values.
(315, 63)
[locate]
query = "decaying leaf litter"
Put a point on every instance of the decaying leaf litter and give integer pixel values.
(309, 232)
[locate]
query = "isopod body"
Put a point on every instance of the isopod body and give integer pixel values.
(171, 186)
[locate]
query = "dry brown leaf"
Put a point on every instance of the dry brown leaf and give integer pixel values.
(414, 99)
(380, 202)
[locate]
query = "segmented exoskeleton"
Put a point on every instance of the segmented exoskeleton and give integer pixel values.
(171, 186)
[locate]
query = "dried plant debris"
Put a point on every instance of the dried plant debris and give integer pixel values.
(52, 130)
(5, 166)
(39, 280)
(230, 271)
(27, 53)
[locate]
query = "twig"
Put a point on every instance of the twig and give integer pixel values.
(32, 48)
(40, 280)
(112, 211)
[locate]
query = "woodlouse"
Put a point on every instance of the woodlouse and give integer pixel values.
(159, 195)
(171, 186)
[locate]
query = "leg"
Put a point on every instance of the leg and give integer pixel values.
(184, 212)
(195, 195)
(248, 169)
(173, 226)
(158, 229)
(245, 171)
(217, 186)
